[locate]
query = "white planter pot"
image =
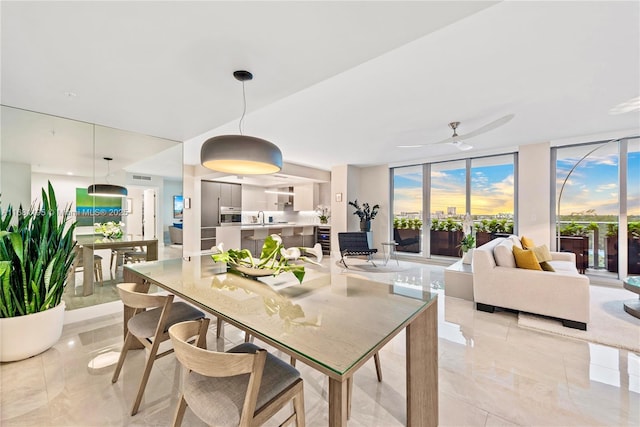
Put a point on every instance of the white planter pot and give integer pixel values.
(467, 257)
(26, 336)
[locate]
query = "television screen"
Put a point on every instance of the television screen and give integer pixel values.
(178, 206)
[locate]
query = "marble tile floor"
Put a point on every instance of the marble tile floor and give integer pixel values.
(490, 373)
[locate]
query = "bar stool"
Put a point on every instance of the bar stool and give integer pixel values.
(286, 234)
(307, 230)
(258, 234)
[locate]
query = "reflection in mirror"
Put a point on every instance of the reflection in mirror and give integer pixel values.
(36, 148)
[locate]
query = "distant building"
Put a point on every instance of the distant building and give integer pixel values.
(451, 210)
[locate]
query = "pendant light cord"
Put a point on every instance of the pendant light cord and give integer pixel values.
(244, 109)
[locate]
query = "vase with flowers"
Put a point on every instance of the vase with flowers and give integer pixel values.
(323, 214)
(110, 229)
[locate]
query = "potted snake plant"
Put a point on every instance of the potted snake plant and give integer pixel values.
(36, 254)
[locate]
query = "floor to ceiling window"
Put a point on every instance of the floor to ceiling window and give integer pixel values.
(492, 196)
(441, 194)
(588, 208)
(407, 208)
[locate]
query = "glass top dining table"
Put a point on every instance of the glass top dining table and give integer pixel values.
(331, 322)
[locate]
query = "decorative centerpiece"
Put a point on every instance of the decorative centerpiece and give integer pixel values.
(110, 229)
(323, 214)
(274, 259)
(366, 214)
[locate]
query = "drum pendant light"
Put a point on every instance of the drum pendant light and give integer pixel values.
(241, 154)
(107, 190)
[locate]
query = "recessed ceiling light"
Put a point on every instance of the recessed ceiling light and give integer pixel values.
(409, 146)
(626, 107)
(69, 173)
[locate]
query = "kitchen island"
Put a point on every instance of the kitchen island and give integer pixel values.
(236, 236)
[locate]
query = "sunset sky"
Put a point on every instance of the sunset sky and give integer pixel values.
(592, 185)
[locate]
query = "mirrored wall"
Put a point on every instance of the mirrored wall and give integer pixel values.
(144, 224)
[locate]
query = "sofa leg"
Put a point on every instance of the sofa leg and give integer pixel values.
(485, 307)
(573, 324)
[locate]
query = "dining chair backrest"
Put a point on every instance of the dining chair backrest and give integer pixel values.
(215, 364)
(138, 300)
(244, 386)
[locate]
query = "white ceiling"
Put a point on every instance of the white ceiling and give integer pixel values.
(335, 82)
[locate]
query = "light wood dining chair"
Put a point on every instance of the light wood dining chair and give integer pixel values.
(154, 314)
(244, 386)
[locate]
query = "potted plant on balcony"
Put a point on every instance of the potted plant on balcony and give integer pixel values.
(366, 213)
(36, 255)
(445, 236)
(487, 230)
(633, 247)
(574, 238)
(406, 233)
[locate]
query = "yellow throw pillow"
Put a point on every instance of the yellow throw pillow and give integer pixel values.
(526, 259)
(542, 253)
(527, 243)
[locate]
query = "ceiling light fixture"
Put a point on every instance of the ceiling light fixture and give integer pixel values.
(107, 190)
(241, 154)
(455, 137)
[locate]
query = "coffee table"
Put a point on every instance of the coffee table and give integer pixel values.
(632, 306)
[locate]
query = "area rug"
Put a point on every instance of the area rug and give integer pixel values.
(609, 325)
(364, 266)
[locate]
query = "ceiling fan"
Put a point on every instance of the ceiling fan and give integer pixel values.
(456, 140)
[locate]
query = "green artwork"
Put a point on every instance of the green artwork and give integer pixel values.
(91, 209)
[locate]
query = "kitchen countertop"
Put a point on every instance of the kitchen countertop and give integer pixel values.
(249, 226)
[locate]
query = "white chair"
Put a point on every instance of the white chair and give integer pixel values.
(244, 386)
(316, 251)
(258, 234)
(307, 230)
(150, 324)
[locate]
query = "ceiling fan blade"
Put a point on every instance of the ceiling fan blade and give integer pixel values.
(447, 140)
(461, 145)
(486, 128)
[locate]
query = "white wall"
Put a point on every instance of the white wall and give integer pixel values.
(65, 189)
(534, 192)
(374, 189)
(15, 185)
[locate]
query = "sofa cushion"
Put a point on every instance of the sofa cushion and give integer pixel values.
(503, 254)
(542, 253)
(516, 241)
(526, 258)
(527, 242)
(546, 266)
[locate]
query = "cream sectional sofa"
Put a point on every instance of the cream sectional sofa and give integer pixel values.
(563, 294)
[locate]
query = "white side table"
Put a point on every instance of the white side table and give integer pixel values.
(389, 252)
(458, 281)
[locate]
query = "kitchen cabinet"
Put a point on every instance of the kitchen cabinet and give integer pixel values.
(306, 197)
(230, 195)
(255, 199)
(214, 194)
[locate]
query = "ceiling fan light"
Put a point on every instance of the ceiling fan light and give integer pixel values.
(107, 190)
(462, 146)
(241, 154)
